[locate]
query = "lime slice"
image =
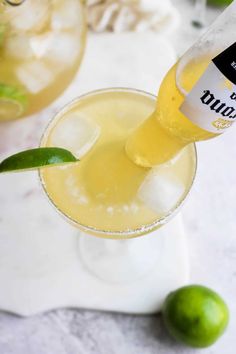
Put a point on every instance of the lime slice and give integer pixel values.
(36, 158)
(13, 102)
(219, 2)
(14, 2)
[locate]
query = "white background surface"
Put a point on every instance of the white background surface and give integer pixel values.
(210, 223)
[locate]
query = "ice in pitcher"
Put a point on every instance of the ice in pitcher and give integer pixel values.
(41, 45)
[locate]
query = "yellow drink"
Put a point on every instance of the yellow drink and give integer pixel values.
(168, 130)
(41, 45)
(106, 193)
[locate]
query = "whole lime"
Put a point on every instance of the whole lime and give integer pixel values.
(219, 2)
(195, 315)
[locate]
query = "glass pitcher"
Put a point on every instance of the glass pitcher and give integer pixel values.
(41, 46)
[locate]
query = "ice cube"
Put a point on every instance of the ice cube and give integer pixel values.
(76, 133)
(66, 14)
(41, 43)
(62, 48)
(18, 46)
(31, 15)
(161, 191)
(34, 75)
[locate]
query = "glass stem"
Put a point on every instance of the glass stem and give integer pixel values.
(120, 261)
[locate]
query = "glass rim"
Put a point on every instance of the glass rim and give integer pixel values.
(128, 233)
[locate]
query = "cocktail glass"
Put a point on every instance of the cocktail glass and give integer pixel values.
(41, 47)
(108, 196)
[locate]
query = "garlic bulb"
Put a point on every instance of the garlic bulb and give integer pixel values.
(131, 15)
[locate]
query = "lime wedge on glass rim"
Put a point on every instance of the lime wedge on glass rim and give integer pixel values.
(13, 102)
(36, 158)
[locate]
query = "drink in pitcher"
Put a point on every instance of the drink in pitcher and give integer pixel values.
(41, 45)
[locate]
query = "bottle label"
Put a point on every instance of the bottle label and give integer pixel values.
(211, 104)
